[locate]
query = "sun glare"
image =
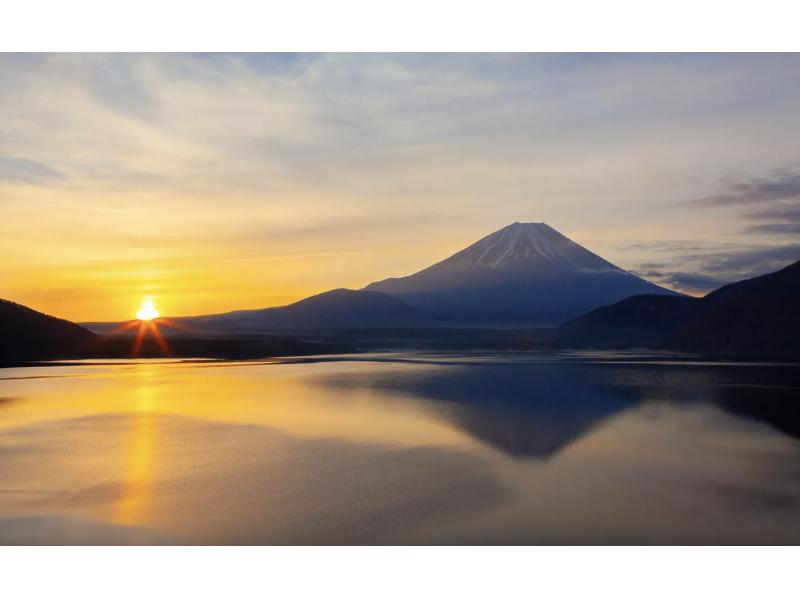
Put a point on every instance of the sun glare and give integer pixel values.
(147, 311)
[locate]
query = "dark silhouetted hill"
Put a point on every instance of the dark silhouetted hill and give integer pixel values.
(758, 318)
(640, 321)
(27, 334)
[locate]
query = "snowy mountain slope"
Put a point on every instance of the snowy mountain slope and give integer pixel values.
(525, 273)
(531, 245)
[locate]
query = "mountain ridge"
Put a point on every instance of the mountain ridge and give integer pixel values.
(329, 310)
(525, 273)
(513, 247)
(756, 317)
(31, 334)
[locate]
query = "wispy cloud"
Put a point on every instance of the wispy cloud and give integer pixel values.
(781, 185)
(21, 170)
(700, 272)
(692, 283)
(748, 261)
(779, 218)
(399, 159)
(772, 202)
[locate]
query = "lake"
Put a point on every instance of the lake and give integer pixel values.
(573, 448)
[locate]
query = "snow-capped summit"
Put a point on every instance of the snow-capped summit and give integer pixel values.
(523, 273)
(527, 245)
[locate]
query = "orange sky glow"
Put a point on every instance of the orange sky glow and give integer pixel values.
(222, 182)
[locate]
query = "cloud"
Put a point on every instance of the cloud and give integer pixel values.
(779, 218)
(698, 273)
(417, 124)
(780, 185)
(749, 262)
(234, 150)
(661, 246)
(776, 197)
(118, 83)
(778, 228)
(22, 170)
(691, 283)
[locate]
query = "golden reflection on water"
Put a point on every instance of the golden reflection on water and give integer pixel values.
(139, 455)
(137, 436)
(377, 452)
(284, 397)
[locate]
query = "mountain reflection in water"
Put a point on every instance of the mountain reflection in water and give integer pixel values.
(527, 411)
(534, 411)
(401, 449)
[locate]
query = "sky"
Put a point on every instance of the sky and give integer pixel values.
(220, 182)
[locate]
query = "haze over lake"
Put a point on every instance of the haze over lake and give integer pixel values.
(401, 449)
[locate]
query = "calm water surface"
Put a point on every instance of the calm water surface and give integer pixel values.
(401, 449)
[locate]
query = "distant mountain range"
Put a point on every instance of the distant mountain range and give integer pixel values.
(523, 274)
(486, 296)
(759, 317)
(29, 335)
(333, 310)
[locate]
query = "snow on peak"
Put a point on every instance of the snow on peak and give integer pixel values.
(528, 244)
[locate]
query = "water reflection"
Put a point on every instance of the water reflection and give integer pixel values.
(536, 410)
(140, 454)
(522, 410)
(408, 450)
(763, 393)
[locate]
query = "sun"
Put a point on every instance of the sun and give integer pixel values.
(147, 311)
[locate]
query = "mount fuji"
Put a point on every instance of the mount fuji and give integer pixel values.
(525, 273)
